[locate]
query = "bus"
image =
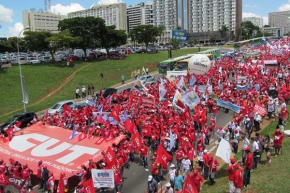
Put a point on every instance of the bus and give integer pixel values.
(246, 43)
(171, 64)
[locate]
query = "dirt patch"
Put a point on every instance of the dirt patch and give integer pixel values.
(150, 65)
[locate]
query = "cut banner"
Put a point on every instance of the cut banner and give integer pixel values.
(224, 150)
(228, 105)
(260, 110)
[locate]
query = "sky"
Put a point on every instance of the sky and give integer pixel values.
(11, 10)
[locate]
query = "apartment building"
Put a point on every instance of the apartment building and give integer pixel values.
(42, 21)
(113, 14)
(165, 13)
(258, 21)
(140, 14)
(275, 31)
(280, 19)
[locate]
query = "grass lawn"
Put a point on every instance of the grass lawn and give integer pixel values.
(43, 79)
(273, 178)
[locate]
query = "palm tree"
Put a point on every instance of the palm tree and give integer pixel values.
(223, 31)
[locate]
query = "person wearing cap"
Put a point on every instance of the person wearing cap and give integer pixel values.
(50, 183)
(278, 140)
(178, 181)
(197, 179)
(39, 172)
(248, 167)
(231, 174)
(155, 167)
(25, 174)
(238, 178)
(207, 160)
(118, 180)
(152, 185)
(179, 156)
(186, 163)
(220, 133)
(168, 189)
(171, 174)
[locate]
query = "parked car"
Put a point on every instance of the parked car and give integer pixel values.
(44, 59)
(4, 60)
(58, 107)
(147, 78)
(33, 60)
(106, 92)
(25, 118)
(21, 61)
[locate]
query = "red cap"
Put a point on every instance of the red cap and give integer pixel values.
(83, 165)
(185, 156)
(236, 130)
(220, 128)
(195, 171)
(44, 166)
(232, 160)
(248, 149)
(236, 166)
(51, 173)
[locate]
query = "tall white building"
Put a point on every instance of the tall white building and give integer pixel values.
(41, 21)
(164, 13)
(114, 14)
(280, 19)
(140, 14)
(258, 21)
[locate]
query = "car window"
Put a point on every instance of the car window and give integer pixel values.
(143, 78)
(56, 106)
(69, 103)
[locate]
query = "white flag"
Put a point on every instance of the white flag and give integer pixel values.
(162, 91)
(172, 141)
(224, 150)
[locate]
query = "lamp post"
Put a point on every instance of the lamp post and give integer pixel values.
(20, 71)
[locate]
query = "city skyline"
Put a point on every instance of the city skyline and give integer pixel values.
(11, 12)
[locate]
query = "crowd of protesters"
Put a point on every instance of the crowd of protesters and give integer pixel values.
(169, 127)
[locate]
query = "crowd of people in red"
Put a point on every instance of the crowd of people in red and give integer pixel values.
(170, 127)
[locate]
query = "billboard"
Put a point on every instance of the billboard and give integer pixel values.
(180, 34)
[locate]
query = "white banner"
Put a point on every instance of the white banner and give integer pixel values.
(203, 88)
(177, 73)
(103, 178)
(24, 89)
(190, 99)
(224, 150)
(162, 91)
(241, 78)
(265, 61)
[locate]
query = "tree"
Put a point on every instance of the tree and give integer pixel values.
(35, 40)
(174, 42)
(110, 37)
(248, 29)
(83, 30)
(59, 40)
(145, 34)
(223, 31)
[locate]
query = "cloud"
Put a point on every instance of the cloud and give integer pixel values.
(249, 14)
(285, 7)
(15, 30)
(250, 6)
(107, 2)
(5, 14)
(65, 9)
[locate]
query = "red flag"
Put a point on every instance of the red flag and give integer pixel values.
(89, 186)
(82, 136)
(66, 108)
(180, 104)
(115, 115)
(189, 186)
(163, 157)
(100, 140)
(9, 132)
(60, 187)
(146, 131)
(110, 158)
(129, 125)
(46, 114)
(136, 138)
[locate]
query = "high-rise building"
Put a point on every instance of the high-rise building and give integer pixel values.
(258, 21)
(140, 14)
(280, 19)
(113, 14)
(41, 21)
(165, 13)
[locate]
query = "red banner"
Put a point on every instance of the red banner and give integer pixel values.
(89, 186)
(260, 110)
(189, 186)
(163, 157)
(16, 184)
(146, 131)
(51, 144)
(111, 160)
(136, 138)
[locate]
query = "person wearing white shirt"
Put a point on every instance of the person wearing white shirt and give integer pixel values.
(256, 152)
(235, 142)
(186, 165)
(77, 93)
(171, 174)
(83, 92)
(246, 143)
(257, 121)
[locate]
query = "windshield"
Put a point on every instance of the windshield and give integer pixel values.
(56, 106)
(32, 58)
(143, 78)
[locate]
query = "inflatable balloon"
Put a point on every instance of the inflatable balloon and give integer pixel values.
(199, 64)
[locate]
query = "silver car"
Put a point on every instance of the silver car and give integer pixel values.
(21, 61)
(58, 107)
(147, 78)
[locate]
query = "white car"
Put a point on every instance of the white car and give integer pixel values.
(147, 78)
(21, 61)
(33, 60)
(58, 107)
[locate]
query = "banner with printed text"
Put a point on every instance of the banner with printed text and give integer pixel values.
(228, 105)
(103, 178)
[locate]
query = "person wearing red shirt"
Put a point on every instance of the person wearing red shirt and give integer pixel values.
(238, 178)
(144, 154)
(207, 160)
(210, 104)
(50, 183)
(213, 169)
(25, 172)
(38, 174)
(118, 180)
(248, 166)
(155, 167)
(231, 173)
(3, 181)
(278, 139)
(179, 156)
(16, 169)
(3, 166)
(131, 150)
(92, 164)
(197, 179)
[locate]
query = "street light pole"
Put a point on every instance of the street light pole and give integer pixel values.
(20, 71)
